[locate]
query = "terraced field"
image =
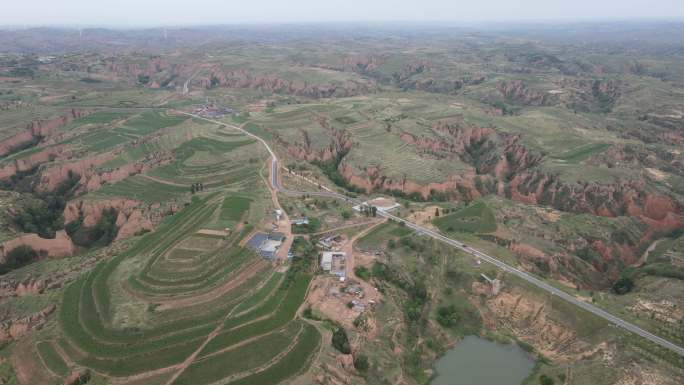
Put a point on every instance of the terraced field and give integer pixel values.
(397, 159)
(365, 122)
(476, 218)
(208, 161)
(181, 303)
(180, 306)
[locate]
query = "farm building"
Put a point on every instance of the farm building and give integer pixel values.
(334, 262)
(266, 244)
(300, 221)
(326, 262)
(211, 110)
(329, 241)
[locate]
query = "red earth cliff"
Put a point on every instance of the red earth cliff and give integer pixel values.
(60, 246)
(37, 130)
(133, 216)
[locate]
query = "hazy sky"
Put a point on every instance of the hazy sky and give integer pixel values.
(157, 12)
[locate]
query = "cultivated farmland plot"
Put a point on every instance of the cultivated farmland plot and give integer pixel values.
(179, 303)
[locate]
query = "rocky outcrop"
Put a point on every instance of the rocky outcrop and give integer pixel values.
(53, 176)
(630, 198)
(534, 322)
(12, 288)
(135, 70)
(157, 72)
(37, 130)
(362, 63)
(92, 177)
(133, 216)
(219, 77)
(494, 157)
(589, 95)
(32, 161)
(415, 75)
(433, 85)
(15, 328)
(373, 180)
(517, 92)
(60, 246)
(595, 95)
(502, 165)
(340, 143)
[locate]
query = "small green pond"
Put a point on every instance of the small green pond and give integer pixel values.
(478, 361)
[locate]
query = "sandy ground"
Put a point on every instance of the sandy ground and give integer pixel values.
(26, 367)
(423, 217)
(348, 248)
(217, 233)
(548, 214)
(326, 297)
(326, 293)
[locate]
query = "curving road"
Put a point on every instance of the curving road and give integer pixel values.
(461, 246)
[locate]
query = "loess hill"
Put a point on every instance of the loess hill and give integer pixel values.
(557, 151)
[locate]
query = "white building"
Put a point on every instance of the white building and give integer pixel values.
(326, 261)
(334, 262)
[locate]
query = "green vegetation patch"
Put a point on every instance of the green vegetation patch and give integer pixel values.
(459, 315)
(260, 295)
(100, 117)
(582, 153)
(280, 309)
(252, 355)
(99, 141)
(384, 233)
(234, 208)
(476, 218)
(52, 359)
(149, 122)
(294, 362)
(141, 188)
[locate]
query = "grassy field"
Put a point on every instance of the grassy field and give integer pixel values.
(476, 218)
(581, 153)
(154, 303)
(52, 359)
(89, 306)
(99, 118)
(141, 188)
(255, 354)
(380, 235)
(294, 362)
(150, 121)
(102, 140)
(233, 209)
(210, 161)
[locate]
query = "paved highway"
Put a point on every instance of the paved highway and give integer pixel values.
(461, 246)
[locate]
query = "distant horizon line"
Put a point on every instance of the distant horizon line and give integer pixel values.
(422, 23)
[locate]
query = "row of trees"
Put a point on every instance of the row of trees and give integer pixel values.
(369, 211)
(196, 187)
(18, 257)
